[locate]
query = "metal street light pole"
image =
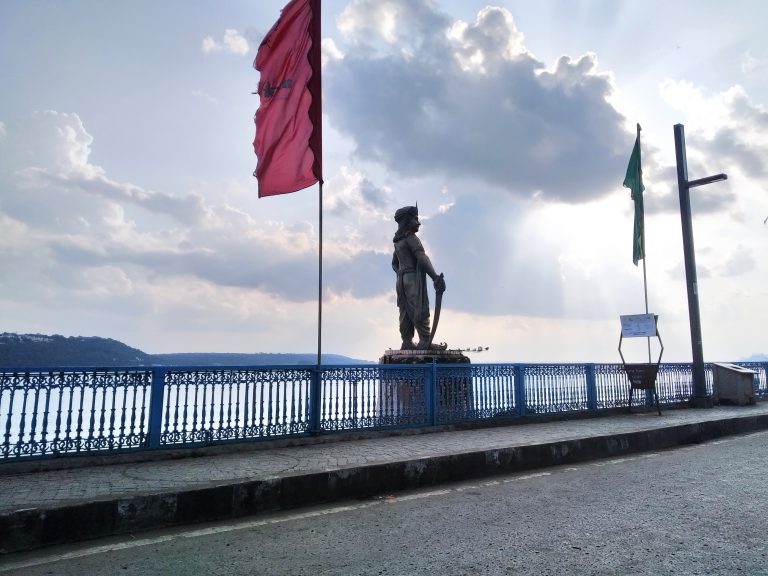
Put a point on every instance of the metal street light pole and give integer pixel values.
(700, 398)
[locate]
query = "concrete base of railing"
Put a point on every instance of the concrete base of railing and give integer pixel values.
(701, 402)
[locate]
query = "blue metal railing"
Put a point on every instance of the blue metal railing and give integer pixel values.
(46, 413)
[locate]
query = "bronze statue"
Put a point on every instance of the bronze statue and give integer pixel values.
(412, 266)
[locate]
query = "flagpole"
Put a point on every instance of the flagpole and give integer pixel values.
(320, 279)
(317, 96)
(289, 59)
(645, 286)
(645, 277)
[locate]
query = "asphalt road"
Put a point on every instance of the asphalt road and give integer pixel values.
(694, 510)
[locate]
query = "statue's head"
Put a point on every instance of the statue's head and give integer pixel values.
(404, 214)
(407, 219)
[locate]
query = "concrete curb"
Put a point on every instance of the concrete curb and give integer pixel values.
(34, 528)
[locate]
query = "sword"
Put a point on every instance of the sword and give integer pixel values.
(438, 305)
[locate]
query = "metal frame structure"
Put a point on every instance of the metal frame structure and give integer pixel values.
(642, 376)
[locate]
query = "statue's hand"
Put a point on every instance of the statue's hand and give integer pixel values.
(439, 284)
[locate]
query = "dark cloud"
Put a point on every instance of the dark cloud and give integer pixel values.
(748, 114)
(730, 148)
(704, 200)
(662, 194)
(344, 198)
(512, 124)
(373, 195)
(735, 147)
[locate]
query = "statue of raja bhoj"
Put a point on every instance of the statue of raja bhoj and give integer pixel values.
(412, 266)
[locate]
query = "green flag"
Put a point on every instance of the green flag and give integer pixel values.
(634, 181)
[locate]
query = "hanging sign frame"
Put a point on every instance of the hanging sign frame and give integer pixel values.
(641, 376)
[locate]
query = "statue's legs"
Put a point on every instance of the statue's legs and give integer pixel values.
(423, 329)
(408, 328)
(412, 303)
(406, 331)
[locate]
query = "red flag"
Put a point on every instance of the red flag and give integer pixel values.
(288, 141)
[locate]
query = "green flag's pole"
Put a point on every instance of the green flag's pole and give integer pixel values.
(645, 277)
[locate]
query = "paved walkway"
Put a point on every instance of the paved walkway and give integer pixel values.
(46, 507)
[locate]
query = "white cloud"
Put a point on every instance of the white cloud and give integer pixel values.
(381, 26)
(232, 41)
(235, 43)
(210, 45)
(329, 51)
(51, 140)
(751, 65)
(354, 195)
(107, 280)
(748, 62)
(703, 113)
(494, 36)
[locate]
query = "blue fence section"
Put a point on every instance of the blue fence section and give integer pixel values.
(54, 412)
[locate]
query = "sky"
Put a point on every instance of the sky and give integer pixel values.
(128, 207)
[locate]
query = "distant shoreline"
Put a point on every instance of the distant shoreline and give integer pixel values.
(45, 351)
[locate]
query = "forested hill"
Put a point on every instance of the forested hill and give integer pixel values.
(42, 351)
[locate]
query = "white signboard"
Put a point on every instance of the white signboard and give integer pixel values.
(634, 325)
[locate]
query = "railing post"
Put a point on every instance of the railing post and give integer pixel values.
(520, 399)
(760, 392)
(156, 397)
(430, 393)
(315, 400)
(765, 374)
(591, 387)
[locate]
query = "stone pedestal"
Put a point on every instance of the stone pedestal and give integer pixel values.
(453, 388)
(423, 357)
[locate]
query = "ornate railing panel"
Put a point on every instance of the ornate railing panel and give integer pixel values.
(48, 413)
(373, 397)
(674, 382)
(208, 405)
(555, 388)
(472, 392)
(52, 412)
(612, 387)
(494, 390)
